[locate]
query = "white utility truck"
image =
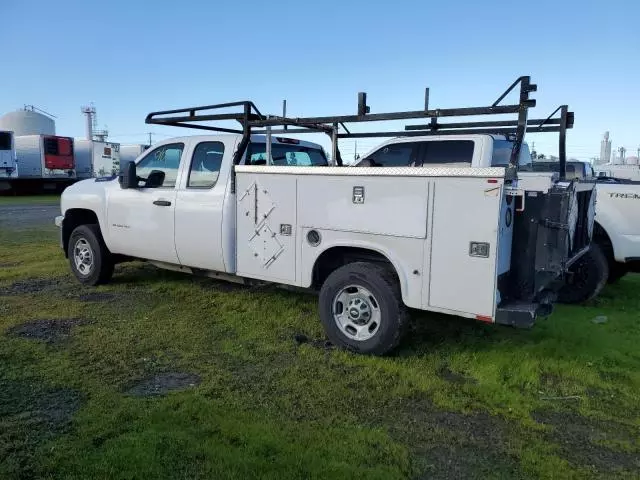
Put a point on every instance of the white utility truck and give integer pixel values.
(8, 165)
(96, 159)
(481, 243)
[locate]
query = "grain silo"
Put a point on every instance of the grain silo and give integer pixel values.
(28, 122)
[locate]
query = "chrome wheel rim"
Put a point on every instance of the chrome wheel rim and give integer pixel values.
(357, 313)
(83, 257)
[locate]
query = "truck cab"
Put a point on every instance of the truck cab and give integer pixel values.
(185, 207)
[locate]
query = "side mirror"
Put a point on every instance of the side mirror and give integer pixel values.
(155, 179)
(128, 177)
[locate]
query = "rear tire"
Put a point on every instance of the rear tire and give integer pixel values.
(90, 260)
(590, 274)
(617, 270)
(361, 308)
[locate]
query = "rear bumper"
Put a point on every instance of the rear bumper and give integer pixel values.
(522, 314)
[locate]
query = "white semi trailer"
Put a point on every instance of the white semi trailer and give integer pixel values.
(8, 165)
(96, 159)
(129, 152)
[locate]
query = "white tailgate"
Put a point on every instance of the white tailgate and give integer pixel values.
(465, 210)
(266, 226)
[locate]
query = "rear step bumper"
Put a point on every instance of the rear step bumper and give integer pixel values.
(522, 314)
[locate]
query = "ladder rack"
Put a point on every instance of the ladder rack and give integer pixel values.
(252, 121)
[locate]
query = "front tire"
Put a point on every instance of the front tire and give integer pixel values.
(90, 260)
(590, 274)
(361, 308)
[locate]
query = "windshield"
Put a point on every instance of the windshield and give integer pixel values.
(5, 141)
(502, 154)
(286, 155)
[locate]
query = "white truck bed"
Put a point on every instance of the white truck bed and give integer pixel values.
(278, 206)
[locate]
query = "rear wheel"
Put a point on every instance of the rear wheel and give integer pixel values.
(616, 271)
(90, 260)
(588, 277)
(361, 308)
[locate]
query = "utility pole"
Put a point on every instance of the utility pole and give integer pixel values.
(150, 140)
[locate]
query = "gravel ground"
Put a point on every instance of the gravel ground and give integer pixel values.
(27, 216)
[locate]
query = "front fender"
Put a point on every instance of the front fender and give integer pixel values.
(88, 195)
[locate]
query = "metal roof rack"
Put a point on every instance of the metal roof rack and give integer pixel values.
(252, 121)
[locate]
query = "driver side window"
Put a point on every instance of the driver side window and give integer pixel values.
(165, 158)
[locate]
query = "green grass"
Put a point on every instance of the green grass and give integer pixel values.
(49, 199)
(459, 399)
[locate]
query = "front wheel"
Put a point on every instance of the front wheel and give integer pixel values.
(589, 276)
(361, 308)
(90, 260)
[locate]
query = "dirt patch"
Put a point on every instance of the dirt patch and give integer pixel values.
(31, 415)
(445, 373)
(301, 338)
(455, 461)
(450, 444)
(581, 438)
(52, 331)
(9, 264)
(31, 285)
(164, 383)
(96, 297)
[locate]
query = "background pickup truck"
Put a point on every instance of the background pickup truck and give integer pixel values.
(616, 246)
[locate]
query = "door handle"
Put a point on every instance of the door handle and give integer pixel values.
(162, 203)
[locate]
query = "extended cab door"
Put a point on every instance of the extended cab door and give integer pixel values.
(205, 215)
(141, 220)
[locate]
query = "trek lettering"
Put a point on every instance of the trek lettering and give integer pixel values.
(634, 196)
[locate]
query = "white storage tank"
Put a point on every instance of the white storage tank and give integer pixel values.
(28, 122)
